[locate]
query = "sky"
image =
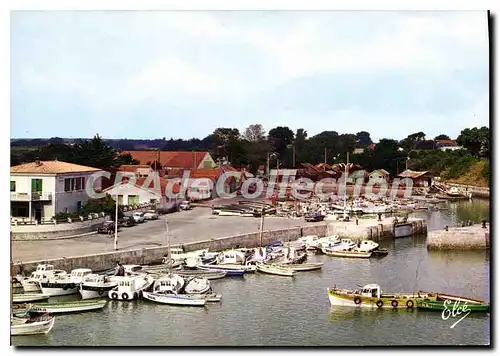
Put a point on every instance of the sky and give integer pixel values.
(155, 74)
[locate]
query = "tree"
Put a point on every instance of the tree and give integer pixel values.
(363, 139)
(279, 138)
(476, 141)
(254, 133)
(441, 137)
(411, 142)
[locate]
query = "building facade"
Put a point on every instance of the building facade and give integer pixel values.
(379, 176)
(41, 189)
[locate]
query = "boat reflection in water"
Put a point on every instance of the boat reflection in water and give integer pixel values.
(338, 314)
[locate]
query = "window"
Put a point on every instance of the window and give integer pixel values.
(207, 164)
(74, 184)
(36, 185)
(12, 185)
(78, 205)
(120, 199)
(133, 199)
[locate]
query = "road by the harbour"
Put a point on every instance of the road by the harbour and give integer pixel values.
(185, 226)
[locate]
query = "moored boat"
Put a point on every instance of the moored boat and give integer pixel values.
(31, 326)
(42, 273)
(275, 270)
(354, 253)
(371, 296)
(202, 273)
(131, 287)
(28, 297)
(229, 271)
(67, 307)
(65, 285)
(301, 267)
(441, 305)
(175, 299)
(197, 285)
(96, 286)
(379, 252)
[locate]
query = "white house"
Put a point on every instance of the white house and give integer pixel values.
(133, 194)
(42, 189)
(379, 176)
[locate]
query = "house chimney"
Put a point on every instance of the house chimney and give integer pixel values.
(38, 162)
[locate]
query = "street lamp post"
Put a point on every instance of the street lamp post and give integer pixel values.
(346, 166)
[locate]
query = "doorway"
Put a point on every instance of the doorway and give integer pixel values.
(38, 215)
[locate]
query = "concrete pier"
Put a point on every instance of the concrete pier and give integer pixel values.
(475, 237)
(366, 229)
(373, 229)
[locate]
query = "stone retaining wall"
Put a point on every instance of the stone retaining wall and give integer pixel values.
(477, 192)
(104, 261)
(460, 238)
(42, 232)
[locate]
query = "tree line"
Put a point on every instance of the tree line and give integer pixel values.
(283, 148)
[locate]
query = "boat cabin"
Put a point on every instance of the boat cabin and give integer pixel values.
(128, 284)
(177, 254)
(371, 291)
(94, 278)
(132, 268)
(168, 284)
(78, 274)
(43, 268)
(232, 257)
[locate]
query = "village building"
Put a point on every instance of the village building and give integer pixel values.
(41, 189)
(379, 176)
(445, 145)
(173, 159)
(419, 178)
(356, 176)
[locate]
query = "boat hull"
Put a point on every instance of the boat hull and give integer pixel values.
(90, 292)
(303, 267)
(394, 301)
(30, 286)
(38, 327)
(440, 306)
(26, 298)
(229, 272)
(175, 299)
(56, 289)
(205, 274)
(276, 270)
(347, 254)
(66, 307)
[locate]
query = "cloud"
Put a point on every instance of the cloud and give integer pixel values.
(226, 68)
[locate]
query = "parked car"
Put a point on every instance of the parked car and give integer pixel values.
(127, 221)
(151, 215)
(138, 217)
(106, 227)
(314, 217)
(185, 205)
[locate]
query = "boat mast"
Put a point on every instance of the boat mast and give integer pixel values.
(168, 249)
(345, 185)
(261, 225)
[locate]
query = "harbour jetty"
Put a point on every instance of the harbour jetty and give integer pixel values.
(377, 230)
(475, 237)
(365, 229)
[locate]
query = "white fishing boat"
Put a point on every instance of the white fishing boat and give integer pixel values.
(302, 267)
(168, 283)
(344, 245)
(368, 246)
(131, 287)
(175, 299)
(42, 274)
(259, 254)
(97, 285)
(275, 269)
(210, 297)
(352, 253)
(231, 257)
(197, 285)
(65, 285)
(27, 297)
(31, 326)
(67, 307)
(291, 256)
(311, 241)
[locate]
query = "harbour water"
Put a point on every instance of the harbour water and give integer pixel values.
(265, 310)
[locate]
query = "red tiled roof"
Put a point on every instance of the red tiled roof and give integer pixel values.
(451, 142)
(172, 159)
(51, 167)
(132, 167)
